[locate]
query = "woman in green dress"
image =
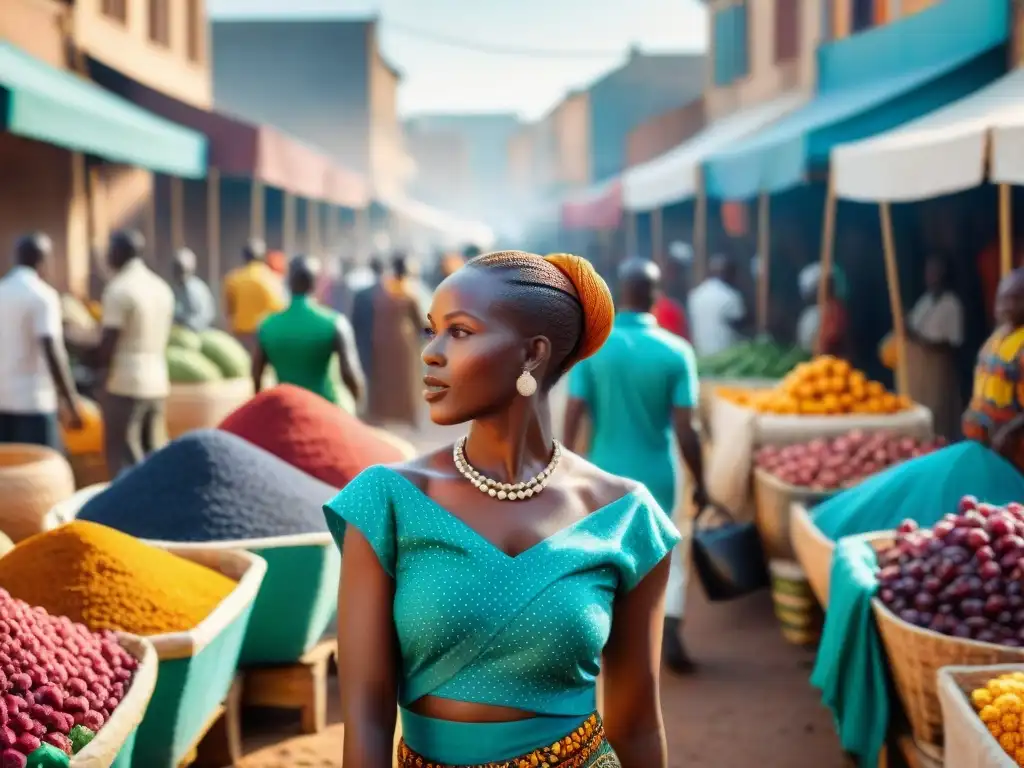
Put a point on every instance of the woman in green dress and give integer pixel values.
(486, 584)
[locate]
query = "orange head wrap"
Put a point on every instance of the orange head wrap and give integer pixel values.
(595, 298)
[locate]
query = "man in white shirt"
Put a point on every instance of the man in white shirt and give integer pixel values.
(34, 373)
(716, 309)
(138, 312)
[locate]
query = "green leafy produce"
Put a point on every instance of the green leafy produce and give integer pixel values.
(184, 338)
(224, 351)
(80, 738)
(758, 359)
(186, 366)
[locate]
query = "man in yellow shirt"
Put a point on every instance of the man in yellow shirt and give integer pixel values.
(251, 293)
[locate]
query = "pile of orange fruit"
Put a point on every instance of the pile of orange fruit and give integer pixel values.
(825, 386)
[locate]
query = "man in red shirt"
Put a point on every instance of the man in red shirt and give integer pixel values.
(668, 308)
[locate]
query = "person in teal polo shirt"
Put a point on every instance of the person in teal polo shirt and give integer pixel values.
(639, 390)
(301, 341)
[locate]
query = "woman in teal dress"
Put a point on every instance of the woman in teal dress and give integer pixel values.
(485, 585)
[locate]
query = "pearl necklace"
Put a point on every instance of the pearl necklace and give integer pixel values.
(505, 491)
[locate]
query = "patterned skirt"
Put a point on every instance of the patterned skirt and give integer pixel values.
(584, 747)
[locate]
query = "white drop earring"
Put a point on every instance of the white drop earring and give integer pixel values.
(526, 385)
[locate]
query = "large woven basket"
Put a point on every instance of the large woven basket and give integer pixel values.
(967, 742)
(812, 549)
(204, 405)
(115, 740)
(915, 657)
(32, 480)
(773, 500)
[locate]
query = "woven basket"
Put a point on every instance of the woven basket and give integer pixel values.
(773, 500)
(968, 743)
(204, 405)
(116, 738)
(795, 607)
(32, 480)
(812, 549)
(915, 657)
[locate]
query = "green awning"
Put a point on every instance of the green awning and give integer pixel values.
(40, 102)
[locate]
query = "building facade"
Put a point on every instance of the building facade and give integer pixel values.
(323, 81)
(75, 201)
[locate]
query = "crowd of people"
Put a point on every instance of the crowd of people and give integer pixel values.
(306, 325)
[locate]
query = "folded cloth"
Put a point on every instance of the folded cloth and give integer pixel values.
(922, 489)
(850, 670)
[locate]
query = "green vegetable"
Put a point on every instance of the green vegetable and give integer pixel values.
(757, 359)
(184, 338)
(224, 351)
(80, 737)
(48, 756)
(186, 366)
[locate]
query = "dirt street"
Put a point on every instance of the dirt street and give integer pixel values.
(749, 705)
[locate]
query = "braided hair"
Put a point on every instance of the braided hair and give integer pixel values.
(560, 296)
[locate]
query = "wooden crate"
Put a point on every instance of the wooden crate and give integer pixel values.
(301, 686)
(219, 743)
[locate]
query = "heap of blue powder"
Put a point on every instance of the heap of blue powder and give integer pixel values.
(211, 486)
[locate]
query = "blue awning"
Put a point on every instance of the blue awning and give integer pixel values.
(869, 83)
(46, 104)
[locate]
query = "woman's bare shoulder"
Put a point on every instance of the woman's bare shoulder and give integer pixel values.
(596, 487)
(423, 468)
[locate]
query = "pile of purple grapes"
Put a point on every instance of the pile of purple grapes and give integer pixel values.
(963, 576)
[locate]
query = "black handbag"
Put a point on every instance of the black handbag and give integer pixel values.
(729, 560)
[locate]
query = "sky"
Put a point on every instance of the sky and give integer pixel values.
(444, 78)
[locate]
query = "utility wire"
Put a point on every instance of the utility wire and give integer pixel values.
(497, 50)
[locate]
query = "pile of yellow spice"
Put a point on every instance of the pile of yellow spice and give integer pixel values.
(1000, 705)
(107, 579)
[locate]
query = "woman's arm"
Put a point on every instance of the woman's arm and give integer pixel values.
(367, 655)
(632, 674)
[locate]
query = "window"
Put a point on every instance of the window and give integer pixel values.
(159, 22)
(862, 15)
(731, 60)
(787, 30)
(194, 30)
(115, 9)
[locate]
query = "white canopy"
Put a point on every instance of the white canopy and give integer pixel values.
(672, 177)
(940, 153)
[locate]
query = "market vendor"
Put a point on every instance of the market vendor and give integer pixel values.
(301, 341)
(194, 305)
(995, 416)
(716, 309)
(251, 292)
(831, 336)
(935, 331)
(635, 409)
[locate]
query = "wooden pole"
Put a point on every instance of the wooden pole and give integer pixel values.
(177, 213)
(630, 235)
(313, 227)
(1005, 230)
(700, 231)
(257, 210)
(828, 238)
(657, 237)
(895, 300)
(213, 228)
(150, 223)
(764, 261)
(288, 225)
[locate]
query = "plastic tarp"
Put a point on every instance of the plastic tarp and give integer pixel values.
(46, 104)
(941, 153)
(673, 176)
(870, 83)
(1008, 148)
(598, 207)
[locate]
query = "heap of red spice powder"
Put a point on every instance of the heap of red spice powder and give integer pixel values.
(311, 434)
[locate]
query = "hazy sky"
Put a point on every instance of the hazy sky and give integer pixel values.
(442, 78)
